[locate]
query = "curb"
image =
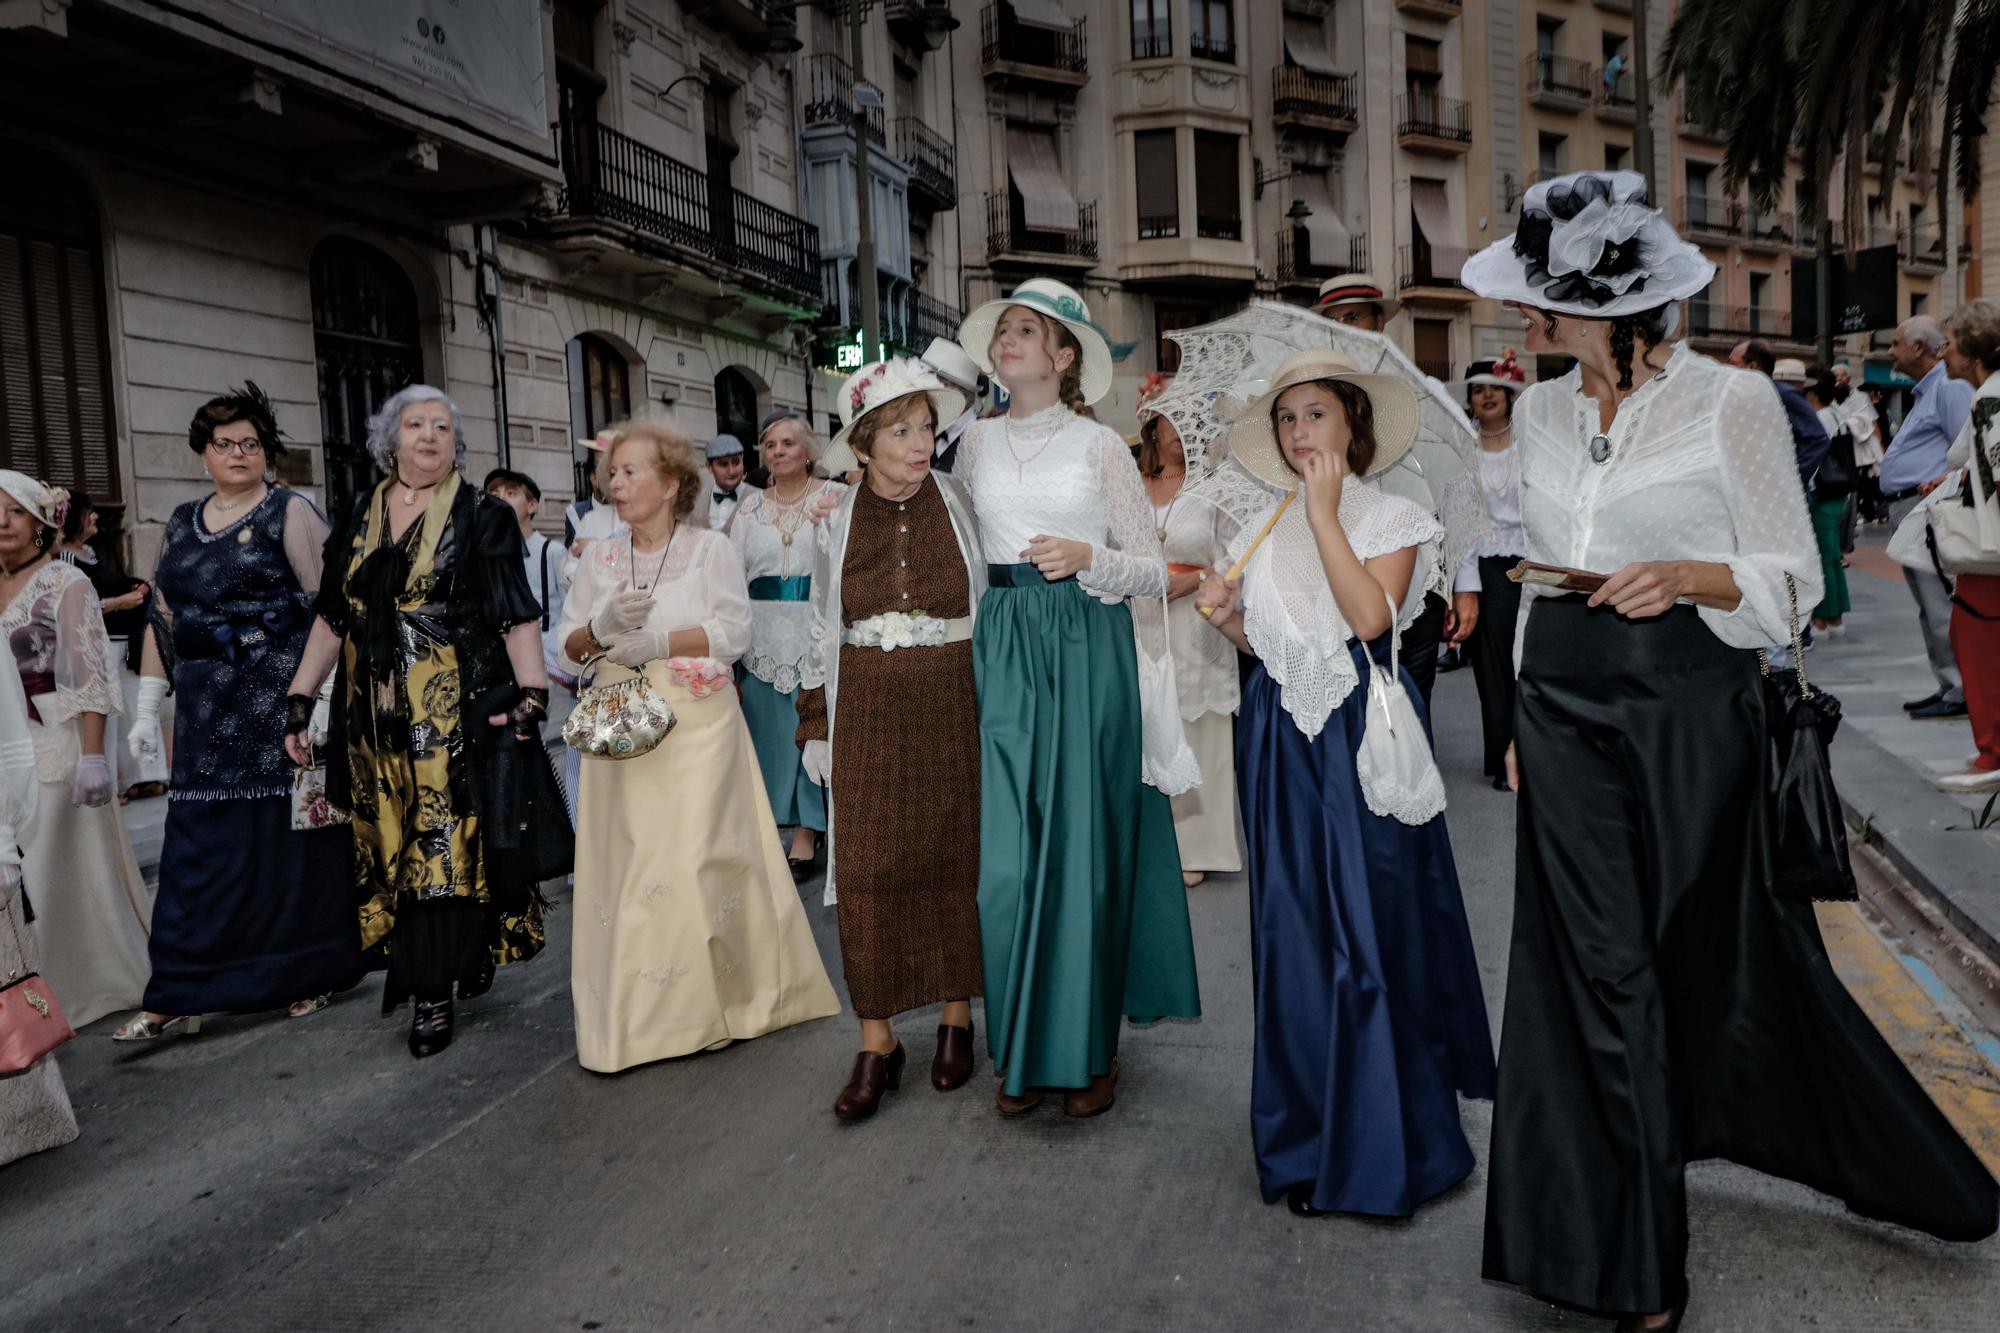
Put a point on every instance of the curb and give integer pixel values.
(1956, 869)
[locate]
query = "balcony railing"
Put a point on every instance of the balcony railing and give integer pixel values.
(1298, 264)
(1008, 234)
(1710, 216)
(829, 99)
(1159, 226)
(1560, 78)
(614, 177)
(1152, 42)
(1219, 226)
(1430, 265)
(1614, 97)
(1773, 228)
(1312, 96)
(910, 319)
(1921, 246)
(1713, 320)
(1433, 117)
(1220, 48)
(933, 162)
(1004, 40)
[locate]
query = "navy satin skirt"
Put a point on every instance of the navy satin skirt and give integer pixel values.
(1662, 1005)
(1370, 1018)
(252, 914)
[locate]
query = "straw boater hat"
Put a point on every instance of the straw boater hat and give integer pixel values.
(1790, 370)
(878, 385)
(1255, 443)
(1589, 244)
(1044, 296)
(1503, 372)
(953, 366)
(1354, 289)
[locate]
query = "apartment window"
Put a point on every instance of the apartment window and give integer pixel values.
(1762, 312)
(579, 86)
(366, 346)
(1212, 30)
(1616, 70)
(1039, 197)
(1431, 343)
(1156, 172)
(1920, 303)
(55, 363)
(1548, 37)
(1616, 155)
(1423, 63)
(1553, 155)
(1218, 185)
(600, 392)
(1152, 29)
(1701, 209)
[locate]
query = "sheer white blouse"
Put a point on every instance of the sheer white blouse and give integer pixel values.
(1701, 468)
(699, 585)
(1289, 612)
(55, 626)
(1197, 533)
(780, 632)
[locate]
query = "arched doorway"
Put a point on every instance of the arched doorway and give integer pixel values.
(56, 420)
(367, 344)
(736, 406)
(600, 391)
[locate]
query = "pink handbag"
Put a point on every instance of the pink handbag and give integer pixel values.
(31, 1022)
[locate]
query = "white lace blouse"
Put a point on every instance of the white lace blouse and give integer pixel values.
(699, 585)
(1062, 475)
(1197, 533)
(1499, 479)
(1701, 468)
(778, 541)
(1289, 612)
(55, 626)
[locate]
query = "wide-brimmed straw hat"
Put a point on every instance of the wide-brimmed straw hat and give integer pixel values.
(1343, 289)
(1057, 301)
(1590, 244)
(878, 385)
(1255, 443)
(49, 504)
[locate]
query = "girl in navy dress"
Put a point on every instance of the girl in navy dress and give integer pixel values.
(1370, 1021)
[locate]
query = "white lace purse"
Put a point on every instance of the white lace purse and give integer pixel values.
(1399, 777)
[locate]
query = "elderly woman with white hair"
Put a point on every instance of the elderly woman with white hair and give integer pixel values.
(773, 535)
(426, 610)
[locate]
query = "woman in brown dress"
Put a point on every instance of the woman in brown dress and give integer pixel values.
(898, 577)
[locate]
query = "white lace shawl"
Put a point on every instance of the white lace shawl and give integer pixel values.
(1289, 613)
(56, 625)
(780, 632)
(20, 783)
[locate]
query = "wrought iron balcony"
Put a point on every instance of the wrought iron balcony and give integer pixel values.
(932, 160)
(1768, 229)
(1436, 266)
(1921, 246)
(1313, 100)
(614, 178)
(829, 100)
(1009, 238)
(1219, 226)
(1615, 99)
(910, 319)
(1011, 48)
(1705, 215)
(1299, 266)
(1559, 82)
(1425, 120)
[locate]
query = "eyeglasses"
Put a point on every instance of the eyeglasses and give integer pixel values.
(246, 448)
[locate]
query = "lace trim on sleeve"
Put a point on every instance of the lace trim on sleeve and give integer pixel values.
(1130, 565)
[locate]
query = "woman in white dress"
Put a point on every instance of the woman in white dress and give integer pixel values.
(1194, 534)
(688, 929)
(35, 1113)
(94, 908)
(773, 533)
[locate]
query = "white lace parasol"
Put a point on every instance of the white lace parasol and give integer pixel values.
(1227, 364)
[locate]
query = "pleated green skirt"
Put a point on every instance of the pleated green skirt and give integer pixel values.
(773, 719)
(1082, 912)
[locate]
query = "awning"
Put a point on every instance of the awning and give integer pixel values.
(1305, 43)
(1037, 174)
(1041, 14)
(1332, 245)
(1433, 214)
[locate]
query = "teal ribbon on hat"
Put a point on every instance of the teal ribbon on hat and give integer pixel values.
(1071, 309)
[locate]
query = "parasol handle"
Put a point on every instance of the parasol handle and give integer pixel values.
(1236, 570)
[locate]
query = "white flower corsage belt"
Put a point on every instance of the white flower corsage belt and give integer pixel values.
(907, 629)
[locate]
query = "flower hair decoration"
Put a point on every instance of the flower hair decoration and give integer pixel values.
(1509, 368)
(859, 394)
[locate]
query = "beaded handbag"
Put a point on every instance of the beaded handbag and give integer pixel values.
(622, 720)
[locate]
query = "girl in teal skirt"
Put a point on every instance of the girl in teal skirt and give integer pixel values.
(1082, 911)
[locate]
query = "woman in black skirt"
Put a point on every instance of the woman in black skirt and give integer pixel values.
(1490, 387)
(1662, 1004)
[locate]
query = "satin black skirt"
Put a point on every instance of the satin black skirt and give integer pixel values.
(1662, 1005)
(1491, 652)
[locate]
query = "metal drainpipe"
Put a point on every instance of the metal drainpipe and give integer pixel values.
(491, 302)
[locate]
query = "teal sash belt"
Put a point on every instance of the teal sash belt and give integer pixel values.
(1015, 576)
(789, 588)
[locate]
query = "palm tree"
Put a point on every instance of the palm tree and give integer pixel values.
(1774, 77)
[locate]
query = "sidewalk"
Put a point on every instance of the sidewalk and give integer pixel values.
(1885, 762)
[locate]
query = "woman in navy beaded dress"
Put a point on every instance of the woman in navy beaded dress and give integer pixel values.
(1370, 1020)
(252, 913)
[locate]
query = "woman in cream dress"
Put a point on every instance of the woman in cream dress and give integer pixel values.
(688, 929)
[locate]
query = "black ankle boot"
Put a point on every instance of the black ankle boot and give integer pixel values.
(430, 1027)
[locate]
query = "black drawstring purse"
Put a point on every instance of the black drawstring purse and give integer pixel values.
(1807, 828)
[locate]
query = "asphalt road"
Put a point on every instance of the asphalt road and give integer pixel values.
(279, 1174)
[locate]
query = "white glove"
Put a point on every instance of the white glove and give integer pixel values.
(10, 879)
(817, 760)
(144, 742)
(636, 647)
(92, 787)
(628, 609)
